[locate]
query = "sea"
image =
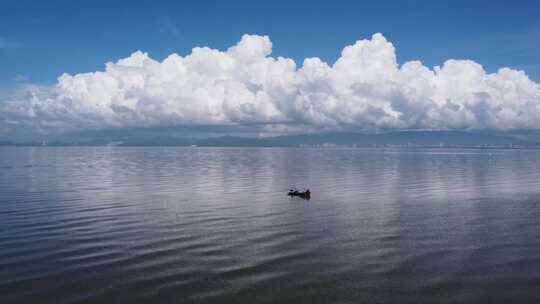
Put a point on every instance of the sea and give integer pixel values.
(215, 225)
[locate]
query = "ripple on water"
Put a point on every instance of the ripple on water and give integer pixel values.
(134, 225)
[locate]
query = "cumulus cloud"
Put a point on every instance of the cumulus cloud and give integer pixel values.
(365, 89)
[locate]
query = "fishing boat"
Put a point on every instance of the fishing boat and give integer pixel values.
(303, 194)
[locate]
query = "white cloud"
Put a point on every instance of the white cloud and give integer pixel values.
(364, 89)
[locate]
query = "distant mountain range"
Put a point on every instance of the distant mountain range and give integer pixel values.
(401, 139)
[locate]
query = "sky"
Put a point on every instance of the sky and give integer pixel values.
(46, 47)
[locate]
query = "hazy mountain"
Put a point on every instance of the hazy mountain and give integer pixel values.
(415, 138)
(402, 138)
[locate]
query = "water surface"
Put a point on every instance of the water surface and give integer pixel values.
(213, 225)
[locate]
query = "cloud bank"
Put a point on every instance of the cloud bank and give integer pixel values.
(365, 89)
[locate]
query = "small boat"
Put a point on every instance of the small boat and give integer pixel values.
(303, 194)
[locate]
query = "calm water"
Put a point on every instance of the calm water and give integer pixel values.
(193, 225)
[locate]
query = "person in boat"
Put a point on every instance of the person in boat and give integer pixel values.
(304, 194)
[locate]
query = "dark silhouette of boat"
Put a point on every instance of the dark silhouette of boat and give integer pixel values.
(303, 194)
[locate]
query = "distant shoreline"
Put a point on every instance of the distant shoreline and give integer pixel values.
(403, 139)
(337, 147)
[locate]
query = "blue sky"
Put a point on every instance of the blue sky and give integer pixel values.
(40, 40)
(479, 65)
